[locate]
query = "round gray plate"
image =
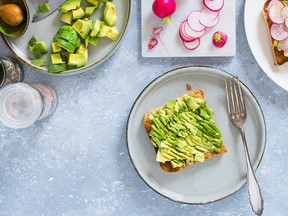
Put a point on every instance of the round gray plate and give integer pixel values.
(45, 29)
(216, 178)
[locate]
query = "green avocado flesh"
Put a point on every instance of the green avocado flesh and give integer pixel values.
(183, 131)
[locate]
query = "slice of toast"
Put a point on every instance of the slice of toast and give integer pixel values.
(198, 93)
(278, 56)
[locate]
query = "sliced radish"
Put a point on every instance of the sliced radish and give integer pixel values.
(214, 5)
(193, 21)
(191, 33)
(282, 45)
(275, 13)
(192, 45)
(208, 14)
(279, 31)
(284, 12)
(208, 20)
(183, 34)
(286, 22)
(273, 2)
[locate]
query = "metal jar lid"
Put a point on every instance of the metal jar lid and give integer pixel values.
(20, 105)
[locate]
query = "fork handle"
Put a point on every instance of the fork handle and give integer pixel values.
(254, 191)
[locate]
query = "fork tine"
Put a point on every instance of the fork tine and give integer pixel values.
(236, 93)
(242, 102)
(228, 93)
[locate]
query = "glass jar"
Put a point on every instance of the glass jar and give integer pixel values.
(10, 71)
(21, 105)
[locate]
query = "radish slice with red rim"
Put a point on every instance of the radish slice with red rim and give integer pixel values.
(278, 31)
(275, 13)
(183, 34)
(193, 21)
(273, 2)
(207, 14)
(286, 22)
(192, 45)
(284, 12)
(208, 22)
(191, 33)
(214, 5)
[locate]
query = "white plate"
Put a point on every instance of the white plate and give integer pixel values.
(259, 43)
(170, 33)
(216, 178)
(45, 29)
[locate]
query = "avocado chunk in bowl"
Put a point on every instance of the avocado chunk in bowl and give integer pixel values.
(14, 17)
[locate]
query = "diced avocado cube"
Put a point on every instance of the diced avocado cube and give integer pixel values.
(33, 40)
(95, 3)
(56, 58)
(80, 58)
(78, 13)
(39, 49)
(96, 28)
(67, 17)
(77, 59)
(43, 8)
(56, 48)
(103, 30)
(82, 27)
(39, 62)
(89, 10)
(82, 50)
(94, 40)
(56, 68)
(68, 33)
(69, 5)
(109, 14)
(87, 40)
(113, 33)
(66, 45)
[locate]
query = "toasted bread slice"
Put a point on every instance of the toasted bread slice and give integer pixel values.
(198, 93)
(278, 56)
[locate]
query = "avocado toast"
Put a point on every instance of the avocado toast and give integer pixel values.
(183, 132)
(279, 56)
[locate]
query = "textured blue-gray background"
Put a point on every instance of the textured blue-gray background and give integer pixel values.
(76, 162)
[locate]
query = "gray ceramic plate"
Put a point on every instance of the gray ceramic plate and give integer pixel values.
(216, 178)
(45, 29)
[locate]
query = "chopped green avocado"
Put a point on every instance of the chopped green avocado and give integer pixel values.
(43, 8)
(33, 40)
(103, 30)
(78, 13)
(66, 45)
(95, 3)
(68, 34)
(69, 5)
(112, 33)
(110, 16)
(39, 62)
(56, 48)
(80, 58)
(89, 10)
(56, 58)
(94, 40)
(96, 28)
(67, 17)
(57, 68)
(39, 49)
(83, 27)
(183, 131)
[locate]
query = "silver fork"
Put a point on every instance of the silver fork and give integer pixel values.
(238, 114)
